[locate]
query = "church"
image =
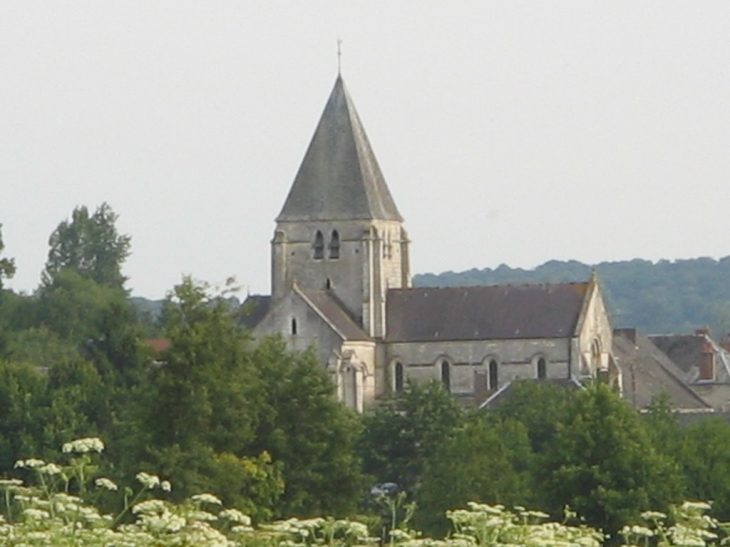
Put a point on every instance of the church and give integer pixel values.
(341, 284)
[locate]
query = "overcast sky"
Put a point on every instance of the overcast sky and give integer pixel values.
(509, 132)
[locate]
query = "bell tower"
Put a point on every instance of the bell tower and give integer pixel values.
(339, 229)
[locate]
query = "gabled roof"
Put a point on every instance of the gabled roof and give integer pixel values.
(484, 313)
(686, 351)
(339, 178)
(330, 310)
(647, 373)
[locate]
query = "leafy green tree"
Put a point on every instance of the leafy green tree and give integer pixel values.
(602, 463)
(540, 406)
(204, 400)
(90, 246)
(486, 460)
(305, 428)
(22, 412)
(7, 265)
(402, 434)
(705, 460)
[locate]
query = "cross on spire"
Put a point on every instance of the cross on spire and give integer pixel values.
(339, 56)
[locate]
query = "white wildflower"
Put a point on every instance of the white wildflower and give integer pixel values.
(234, 515)
(50, 469)
(147, 480)
(36, 514)
(83, 446)
(166, 486)
(641, 531)
(32, 463)
(653, 515)
(149, 507)
(201, 516)
(206, 498)
(696, 506)
(103, 482)
(10, 482)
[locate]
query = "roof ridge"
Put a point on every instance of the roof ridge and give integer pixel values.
(494, 285)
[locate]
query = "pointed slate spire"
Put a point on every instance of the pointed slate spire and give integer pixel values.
(339, 178)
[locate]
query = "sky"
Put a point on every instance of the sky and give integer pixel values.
(508, 132)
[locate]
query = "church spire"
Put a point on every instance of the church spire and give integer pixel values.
(339, 178)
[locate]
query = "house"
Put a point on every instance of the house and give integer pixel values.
(703, 363)
(341, 283)
(646, 373)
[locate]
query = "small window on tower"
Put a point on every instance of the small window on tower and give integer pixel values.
(335, 245)
(293, 325)
(318, 246)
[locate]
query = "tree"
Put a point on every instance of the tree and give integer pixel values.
(205, 399)
(402, 434)
(308, 431)
(89, 245)
(7, 265)
(601, 463)
(705, 460)
(540, 406)
(486, 460)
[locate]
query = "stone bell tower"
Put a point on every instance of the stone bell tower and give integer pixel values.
(339, 229)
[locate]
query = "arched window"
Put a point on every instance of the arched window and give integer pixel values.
(398, 379)
(596, 355)
(493, 375)
(541, 368)
(293, 325)
(335, 245)
(446, 375)
(318, 246)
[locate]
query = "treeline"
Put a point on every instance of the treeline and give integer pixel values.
(258, 425)
(657, 297)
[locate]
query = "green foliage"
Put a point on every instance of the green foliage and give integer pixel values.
(90, 246)
(403, 433)
(485, 460)
(220, 403)
(303, 426)
(602, 463)
(705, 458)
(7, 265)
(539, 406)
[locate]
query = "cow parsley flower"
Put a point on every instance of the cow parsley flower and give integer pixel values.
(103, 482)
(166, 486)
(147, 480)
(206, 498)
(83, 446)
(234, 515)
(31, 463)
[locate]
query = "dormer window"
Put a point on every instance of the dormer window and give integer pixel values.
(335, 245)
(318, 246)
